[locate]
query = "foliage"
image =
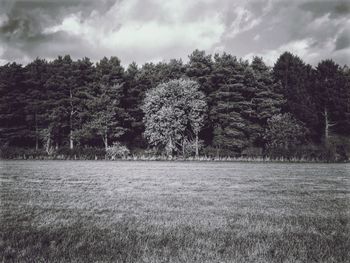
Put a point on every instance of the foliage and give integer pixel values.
(107, 114)
(174, 112)
(297, 81)
(66, 103)
(117, 150)
(283, 134)
(63, 153)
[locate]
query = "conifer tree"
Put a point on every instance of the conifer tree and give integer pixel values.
(36, 75)
(13, 130)
(293, 74)
(107, 115)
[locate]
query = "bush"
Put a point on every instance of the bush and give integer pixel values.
(7, 152)
(84, 153)
(117, 151)
(87, 153)
(214, 152)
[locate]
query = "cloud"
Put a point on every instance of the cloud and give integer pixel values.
(153, 30)
(243, 21)
(298, 47)
(336, 8)
(122, 31)
(343, 40)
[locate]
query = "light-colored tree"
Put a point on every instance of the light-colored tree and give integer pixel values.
(174, 112)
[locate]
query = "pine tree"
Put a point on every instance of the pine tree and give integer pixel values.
(230, 104)
(332, 97)
(294, 76)
(13, 130)
(61, 99)
(36, 75)
(266, 99)
(84, 75)
(107, 115)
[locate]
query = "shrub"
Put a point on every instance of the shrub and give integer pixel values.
(85, 153)
(117, 151)
(7, 152)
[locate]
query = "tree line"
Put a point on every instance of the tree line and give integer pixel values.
(248, 108)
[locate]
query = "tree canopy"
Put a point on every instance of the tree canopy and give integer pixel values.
(174, 113)
(220, 102)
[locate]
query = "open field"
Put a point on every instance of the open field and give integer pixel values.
(86, 211)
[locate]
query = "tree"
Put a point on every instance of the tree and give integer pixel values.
(13, 129)
(174, 69)
(297, 89)
(107, 115)
(266, 99)
(84, 74)
(283, 134)
(36, 75)
(61, 100)
(137, 82)
(231, 105)
(345, 123)
(332, 97)
(200, 68)
(174, 111)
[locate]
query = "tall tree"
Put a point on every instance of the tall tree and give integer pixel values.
(200, 68)
(108, 116)
(84, 74)
(266, 99)
(230, 104)
(61, 87)
(331, 97)
(36, 75)
(294, 76)
(13, 130)
(137, 82)
(173, 111)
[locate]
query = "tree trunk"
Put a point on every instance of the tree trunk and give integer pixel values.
(71, 142)
(36, 134)
(326, 127)
(170, 147)
(218, 149)
(106, 141)
(183, 148)
(197, 150)
(48, 143)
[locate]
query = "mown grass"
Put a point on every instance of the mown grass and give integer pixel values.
(174, 212)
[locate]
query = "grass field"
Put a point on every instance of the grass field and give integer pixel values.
(96, 211)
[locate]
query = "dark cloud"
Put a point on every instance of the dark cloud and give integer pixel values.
(28, 18)
(333, 7)
(343, 40)
(149, 30)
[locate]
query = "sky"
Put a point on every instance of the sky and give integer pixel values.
(158, 30)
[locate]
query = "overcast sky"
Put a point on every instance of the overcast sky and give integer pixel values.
(156, 30)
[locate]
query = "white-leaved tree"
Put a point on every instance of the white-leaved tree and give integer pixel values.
(174, 115)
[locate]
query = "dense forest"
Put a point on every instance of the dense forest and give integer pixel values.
(67, 107)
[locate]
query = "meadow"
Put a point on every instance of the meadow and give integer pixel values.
(104, 211)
